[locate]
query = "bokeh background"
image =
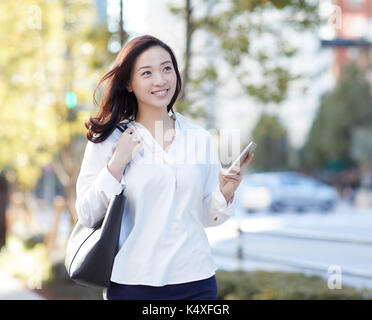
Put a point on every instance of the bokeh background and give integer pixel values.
(294, 76)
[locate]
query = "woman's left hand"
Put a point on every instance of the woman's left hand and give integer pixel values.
(230, 182)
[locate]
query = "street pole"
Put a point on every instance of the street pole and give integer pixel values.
(4, 198)
(240, 248)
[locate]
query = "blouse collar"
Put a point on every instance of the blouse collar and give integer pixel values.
(150, 142)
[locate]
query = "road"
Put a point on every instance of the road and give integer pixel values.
(309, 242)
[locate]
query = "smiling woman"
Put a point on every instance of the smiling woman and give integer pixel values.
(163, 251)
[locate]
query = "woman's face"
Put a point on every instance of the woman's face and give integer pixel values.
(153, 79)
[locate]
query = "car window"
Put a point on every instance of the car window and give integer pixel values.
(260, 181)
(282, 179)
(289, 181)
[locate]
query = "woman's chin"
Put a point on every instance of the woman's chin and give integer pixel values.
(156, 104)
(162, 105)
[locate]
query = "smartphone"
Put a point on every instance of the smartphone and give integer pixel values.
(244, 154)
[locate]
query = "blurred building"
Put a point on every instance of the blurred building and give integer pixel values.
(349, 37)
(352, 36)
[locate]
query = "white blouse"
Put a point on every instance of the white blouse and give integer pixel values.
(170, 197)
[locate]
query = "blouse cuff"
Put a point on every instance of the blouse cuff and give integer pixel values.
(108, 184)
(220, 202)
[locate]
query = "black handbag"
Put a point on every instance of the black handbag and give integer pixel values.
(90, 252)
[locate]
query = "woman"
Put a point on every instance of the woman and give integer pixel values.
(163, 249)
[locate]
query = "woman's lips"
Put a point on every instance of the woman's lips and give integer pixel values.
(160, 93)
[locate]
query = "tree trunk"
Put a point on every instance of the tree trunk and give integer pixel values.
(122, 33)
(67, 166)
(189, 32)
(4, 197)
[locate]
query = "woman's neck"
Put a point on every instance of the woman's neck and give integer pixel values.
(149, 119)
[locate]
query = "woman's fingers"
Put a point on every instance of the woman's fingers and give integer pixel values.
(235, 177)
(237, 169)
(129, 131)
(247, 160)
(234, 170)
(133, 136)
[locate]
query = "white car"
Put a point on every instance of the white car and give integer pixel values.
(278, 191)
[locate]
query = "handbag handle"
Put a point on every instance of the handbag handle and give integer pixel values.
(122, 127)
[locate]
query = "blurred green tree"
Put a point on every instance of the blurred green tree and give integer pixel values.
(49, 48)
(272, 139)
(253, 37)
(347, 107)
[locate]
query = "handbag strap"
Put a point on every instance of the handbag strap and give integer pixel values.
(121, 126)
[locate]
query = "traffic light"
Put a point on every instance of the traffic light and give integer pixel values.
(70, 99)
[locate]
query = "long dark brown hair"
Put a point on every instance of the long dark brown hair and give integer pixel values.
(117, 103)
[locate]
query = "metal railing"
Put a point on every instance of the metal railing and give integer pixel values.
(241, 255)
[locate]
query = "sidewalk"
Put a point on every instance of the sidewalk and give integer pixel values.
(13, 289)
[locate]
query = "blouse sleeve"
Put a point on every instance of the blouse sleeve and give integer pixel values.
(95, 185)
(216, 210)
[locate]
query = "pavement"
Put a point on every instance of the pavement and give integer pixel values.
(14, 289)
(310, 243)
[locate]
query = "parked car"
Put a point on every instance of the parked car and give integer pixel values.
(278, 191)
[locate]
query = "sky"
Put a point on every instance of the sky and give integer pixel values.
(234, 110)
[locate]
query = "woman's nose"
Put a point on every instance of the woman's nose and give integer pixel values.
(159, 79)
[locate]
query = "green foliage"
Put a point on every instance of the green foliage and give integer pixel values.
(236, 29)
(264, 285)
(27, 263)
(272, 140)
(347, 107)
(52, 47)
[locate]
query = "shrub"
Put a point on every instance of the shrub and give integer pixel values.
(265, 285)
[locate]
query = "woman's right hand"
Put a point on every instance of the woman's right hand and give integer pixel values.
(127, 147)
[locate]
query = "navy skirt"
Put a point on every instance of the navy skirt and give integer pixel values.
(205, 289)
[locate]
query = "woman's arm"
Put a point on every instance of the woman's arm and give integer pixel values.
(219, 190)
(101, 173)
(216, 208)
(95, 184)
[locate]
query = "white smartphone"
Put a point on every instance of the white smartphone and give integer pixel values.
(244, 154)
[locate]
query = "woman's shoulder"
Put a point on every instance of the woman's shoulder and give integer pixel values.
(105, 145)
(113, 136)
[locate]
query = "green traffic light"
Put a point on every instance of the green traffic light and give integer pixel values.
(70, 99)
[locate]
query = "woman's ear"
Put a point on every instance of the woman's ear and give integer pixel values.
(128, 87)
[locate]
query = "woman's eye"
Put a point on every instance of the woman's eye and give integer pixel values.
(168, 68)
(146, 73)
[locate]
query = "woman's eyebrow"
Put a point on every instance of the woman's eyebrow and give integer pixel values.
(144, 67)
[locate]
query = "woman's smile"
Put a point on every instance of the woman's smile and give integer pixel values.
(160, 93)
